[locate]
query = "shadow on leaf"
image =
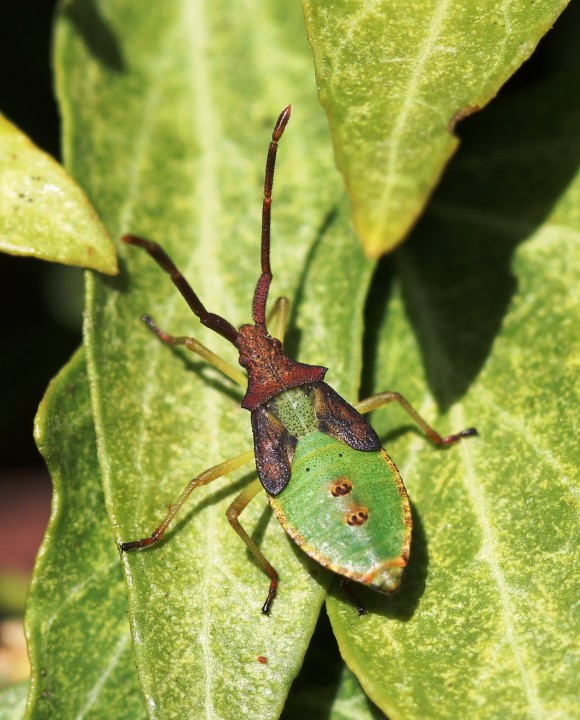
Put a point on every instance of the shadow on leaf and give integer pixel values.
(517, 158)
(98, 36)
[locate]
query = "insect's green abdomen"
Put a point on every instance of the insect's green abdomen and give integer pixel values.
(348, 510)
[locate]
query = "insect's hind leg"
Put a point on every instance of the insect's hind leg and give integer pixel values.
(233, 513)
(204, 479)
(346, 585)
(195, 346)
(384, 398)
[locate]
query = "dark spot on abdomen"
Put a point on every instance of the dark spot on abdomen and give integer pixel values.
(357, 517)
(341, 486)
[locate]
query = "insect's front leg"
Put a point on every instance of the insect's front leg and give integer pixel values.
(386, 397)
(195, 346)
(277, 320)
(204, 479)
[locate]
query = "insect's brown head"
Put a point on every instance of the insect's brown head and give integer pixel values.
(270, 371)
(257, 347)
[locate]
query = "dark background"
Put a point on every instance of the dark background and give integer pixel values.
(39, 302)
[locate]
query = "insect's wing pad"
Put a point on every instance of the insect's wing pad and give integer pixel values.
(274, 450)
(341, 421)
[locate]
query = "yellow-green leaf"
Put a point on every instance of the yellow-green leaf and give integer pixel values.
(79, 642)
(167, 114)
(43, 212)
(325, 687)
(187, 102)
(395, 77)
(486, 623)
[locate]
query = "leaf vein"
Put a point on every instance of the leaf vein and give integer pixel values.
(416, 74)
(93, 695)
(490, 555)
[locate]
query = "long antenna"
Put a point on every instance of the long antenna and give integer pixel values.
(214, 322)
(263, 286)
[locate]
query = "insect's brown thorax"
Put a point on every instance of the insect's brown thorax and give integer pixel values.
(269, 370)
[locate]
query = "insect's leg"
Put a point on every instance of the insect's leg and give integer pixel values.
(346, 585)
(277, 320)
(377, 401)
(195, 346)
(206, 477)
(233, 513)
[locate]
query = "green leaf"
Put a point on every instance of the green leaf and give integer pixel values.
(192, 128)
(43, 212)
(167, 114)
(13, 701)
(487, 299)
(350, 702)
(78, 635)
(325, 687)
(395, 78)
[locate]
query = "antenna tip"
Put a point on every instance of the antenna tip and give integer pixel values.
(281, 122)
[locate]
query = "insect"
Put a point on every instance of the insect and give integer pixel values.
(334, 489)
